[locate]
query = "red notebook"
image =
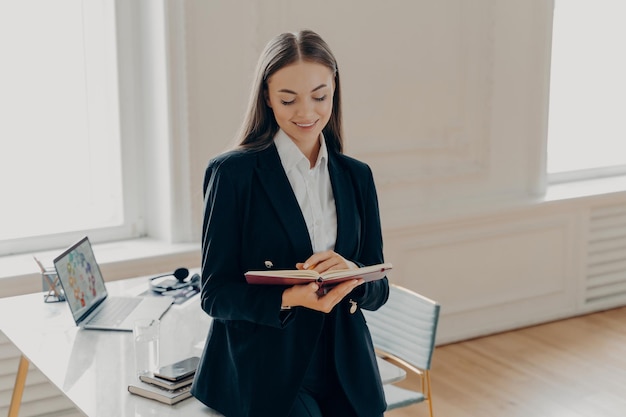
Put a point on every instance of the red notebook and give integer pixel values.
(297, 276)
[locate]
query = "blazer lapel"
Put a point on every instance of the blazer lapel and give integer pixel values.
(345, 203)
(276, 185)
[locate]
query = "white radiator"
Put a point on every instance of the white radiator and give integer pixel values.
(606, 257)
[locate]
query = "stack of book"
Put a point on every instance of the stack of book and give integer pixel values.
(169, 384)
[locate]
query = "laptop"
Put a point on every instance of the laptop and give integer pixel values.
(87, 297)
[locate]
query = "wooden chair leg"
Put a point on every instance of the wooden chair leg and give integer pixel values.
(18, 388)
(429, 394)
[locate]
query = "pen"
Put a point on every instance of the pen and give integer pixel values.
(43, 269)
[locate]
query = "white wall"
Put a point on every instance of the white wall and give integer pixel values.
(447, 101)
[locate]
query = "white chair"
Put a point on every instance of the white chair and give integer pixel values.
(404, 331)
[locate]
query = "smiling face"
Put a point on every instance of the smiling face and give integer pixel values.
(301, 97)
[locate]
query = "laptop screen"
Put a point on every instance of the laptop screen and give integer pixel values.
(81, 279)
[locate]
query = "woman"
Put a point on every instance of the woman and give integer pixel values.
(287, 197)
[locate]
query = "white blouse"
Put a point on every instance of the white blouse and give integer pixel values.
(312, 189)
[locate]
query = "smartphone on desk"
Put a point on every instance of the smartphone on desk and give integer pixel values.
(178, 370)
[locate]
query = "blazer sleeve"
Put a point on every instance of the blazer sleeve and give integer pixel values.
(371, 295)
(225, 294)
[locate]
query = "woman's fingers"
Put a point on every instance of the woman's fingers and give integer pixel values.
(325, 261)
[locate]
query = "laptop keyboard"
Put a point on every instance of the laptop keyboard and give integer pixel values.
(114, 310)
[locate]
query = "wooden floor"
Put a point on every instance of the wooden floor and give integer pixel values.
(569, 368)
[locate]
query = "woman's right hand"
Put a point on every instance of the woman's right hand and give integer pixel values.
(306, 295)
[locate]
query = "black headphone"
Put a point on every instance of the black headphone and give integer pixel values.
(180, 274)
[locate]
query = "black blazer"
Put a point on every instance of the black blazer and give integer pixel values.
(256, 356)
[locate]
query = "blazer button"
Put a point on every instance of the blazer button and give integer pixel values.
(353, 307)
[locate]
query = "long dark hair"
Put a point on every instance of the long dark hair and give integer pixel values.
(259, 126)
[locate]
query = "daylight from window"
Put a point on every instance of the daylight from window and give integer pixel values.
(587, 128)
(60, 160)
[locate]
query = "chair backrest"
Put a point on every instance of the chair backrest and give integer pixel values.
(405, 326)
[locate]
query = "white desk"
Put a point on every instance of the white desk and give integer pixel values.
(94, 368)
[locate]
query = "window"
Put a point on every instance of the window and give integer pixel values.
(586, 133)
(61, 154)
